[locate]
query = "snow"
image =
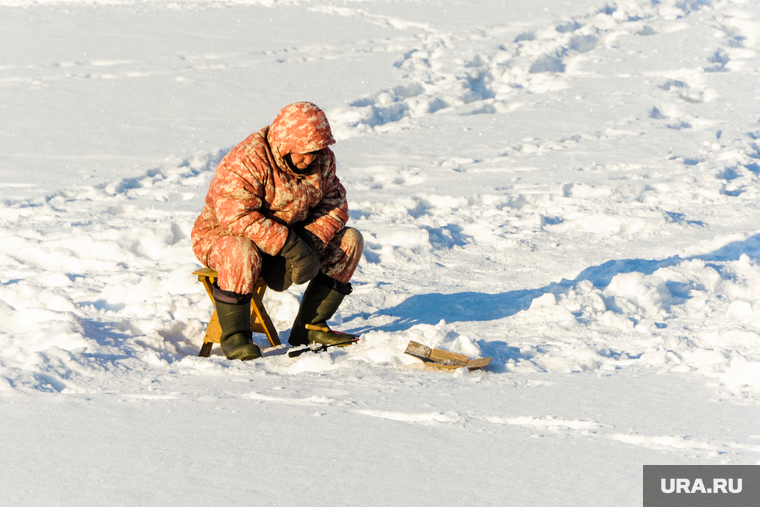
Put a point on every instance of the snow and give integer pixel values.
(570, 188)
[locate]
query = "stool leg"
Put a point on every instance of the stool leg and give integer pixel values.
(260, 319)
(206, 349)
(207, 282)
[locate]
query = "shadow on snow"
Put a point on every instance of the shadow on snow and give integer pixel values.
(479, 306)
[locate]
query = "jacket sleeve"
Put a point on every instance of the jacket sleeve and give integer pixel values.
(238, 196)
(331, 214)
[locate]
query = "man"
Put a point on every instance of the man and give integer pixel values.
(276, 208)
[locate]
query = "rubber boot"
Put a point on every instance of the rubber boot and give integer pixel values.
(235, 320)
(321, 299)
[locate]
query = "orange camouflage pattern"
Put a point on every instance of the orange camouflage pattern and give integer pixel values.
(255, 196)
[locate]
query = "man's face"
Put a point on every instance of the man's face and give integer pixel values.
(303, 160)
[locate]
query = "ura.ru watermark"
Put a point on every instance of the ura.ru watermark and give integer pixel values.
(701, 485)
(698, 486)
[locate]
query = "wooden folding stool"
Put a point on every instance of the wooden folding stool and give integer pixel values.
(260, 321)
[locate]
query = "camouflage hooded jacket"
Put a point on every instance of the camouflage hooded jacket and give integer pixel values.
(255, 193)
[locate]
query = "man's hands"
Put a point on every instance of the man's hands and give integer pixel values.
(296, 262)
(302, 260)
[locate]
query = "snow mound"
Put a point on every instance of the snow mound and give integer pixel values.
(681, 315)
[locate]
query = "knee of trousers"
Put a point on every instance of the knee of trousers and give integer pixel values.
(238, 262)
(352, 243)
(344, 254)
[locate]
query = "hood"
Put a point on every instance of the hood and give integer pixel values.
(300, 127)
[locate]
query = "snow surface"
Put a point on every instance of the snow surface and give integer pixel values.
(569, 187)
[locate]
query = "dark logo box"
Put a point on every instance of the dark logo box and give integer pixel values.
(701, 486)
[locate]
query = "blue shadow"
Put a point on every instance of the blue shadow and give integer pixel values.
(479, 306)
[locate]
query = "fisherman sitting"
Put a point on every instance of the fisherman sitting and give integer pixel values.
(276, 208)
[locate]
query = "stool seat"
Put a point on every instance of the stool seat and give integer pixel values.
(260, 321)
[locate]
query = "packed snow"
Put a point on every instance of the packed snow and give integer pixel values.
(570, 188)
